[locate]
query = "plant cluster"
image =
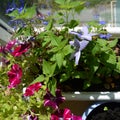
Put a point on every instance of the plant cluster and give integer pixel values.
(41, 55)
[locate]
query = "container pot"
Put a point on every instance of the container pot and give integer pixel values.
(103, 111)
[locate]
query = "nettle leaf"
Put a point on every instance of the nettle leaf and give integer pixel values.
(102, 42)
(28, 13)
(79, 7)
(48, 68)
(14, 14)
(118, 66)
(96, 49)
(111, 59)
(94, 64)
(61, 2)
(59, 58)
(50, 25)
(52, 86)
(60, 46)
(73, 23)
(55, 41)
(113, 43)
(40, 78)
(67, 50)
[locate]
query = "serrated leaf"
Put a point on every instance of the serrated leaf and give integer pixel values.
(67, 50)
(96, 49)
(50, 25)
(73, 23)
(113, 43)
(48, 68)
(112, 59)
(52, 86)
(102, 42)
(40, 78)
(59, 59)
(61, 2)
(118, 67)
(28, 13)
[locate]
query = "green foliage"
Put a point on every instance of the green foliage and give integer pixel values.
(48, 60)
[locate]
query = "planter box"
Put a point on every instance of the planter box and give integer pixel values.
(92, 96)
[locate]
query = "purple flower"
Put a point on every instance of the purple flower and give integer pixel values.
(53, 101)
(102, 22)
(80, 43)
(11, 6)
(65, 114)
(21, 6)
(105, 36)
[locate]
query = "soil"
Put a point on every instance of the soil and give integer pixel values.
(111, 83)
(106, 111)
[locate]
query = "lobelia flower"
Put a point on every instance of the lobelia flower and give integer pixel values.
(14, 75)
(65, 114)
(80, 42)
(30, 90)
(105, 36)
(21, 7)
(53, 101)
(20, 49)
(11, 7)
(102, 22)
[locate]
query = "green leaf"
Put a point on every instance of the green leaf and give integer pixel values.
(118, 67)
(112, 59)
(48, 68)
(73, 23)
(40, 78)
(60, 46)
(67, 50)
(50, 25)
(113, 43)
(102, 42)
(61, 2)
(59, 59)
(96, 49)
(14, 14)
(52, 86)
(27, 13)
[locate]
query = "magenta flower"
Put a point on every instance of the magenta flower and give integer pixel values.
(30, 90)
(20, 49)
(10, 45)
(14, 75)
(65, 114)
(53, 101)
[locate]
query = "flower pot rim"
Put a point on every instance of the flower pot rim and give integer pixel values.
(92, 96)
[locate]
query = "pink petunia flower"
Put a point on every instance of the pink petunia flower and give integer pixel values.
(10, 45)
(20, 49)
(53, 101)
(14, 75)
(30, 90)
(65, 114)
